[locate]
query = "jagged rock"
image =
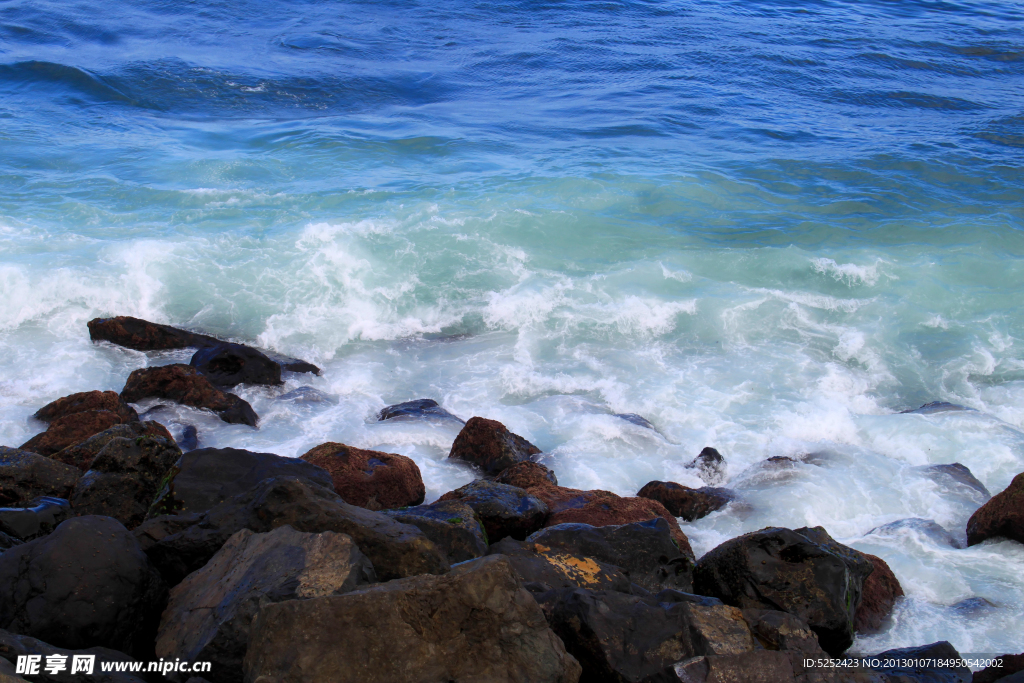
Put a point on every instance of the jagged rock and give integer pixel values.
(503, 510)
(25, 476)
(369, 479)
(227, 365)
(86, 401)
(1001, 517)
(154, 530)
(710, 466)
(207, 476)
(878, 596)
(781, 569)
(941, 650)
(645, 551)
(38, 518)
(124, 477)
(1011, 664)
(396, 550)
(683, 501)
(87, 584)
(450, 524)
(421, 408)
(926, 527)
(638, 420)
(474, 624)
(142, 335)
(13, 646)
(489, 445)
(82, 454)
(542, 568)
(183, 384)
(209, 613)
(189, 439)
(776, 630)
(69, 430)
(526, 474)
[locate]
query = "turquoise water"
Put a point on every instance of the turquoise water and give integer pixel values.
(766, 227)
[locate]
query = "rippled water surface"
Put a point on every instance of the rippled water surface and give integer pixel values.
(767, 227)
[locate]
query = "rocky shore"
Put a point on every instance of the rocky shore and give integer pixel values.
(119, 542)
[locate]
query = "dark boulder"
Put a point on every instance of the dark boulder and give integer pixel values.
(543, 568)
(450, 524)
(421, 408)
(124, 478)
(189, 439)
(1001, 517)
(142, 335)
(38, 518)
(780, 569)
(476, 623)
(776, 630)
(82, 454)
(69, 430)
(683, 501)
(209, 613)
(710, 466)
(25, 476)
(87, 584)
(526, 474)
(227, 365)
(878, 596)
(206, 477)
(86, 401)
(183, 384)
(941, 650)
(487, 444)
(370, 479)
(504, 510)
(13, 646)
(396, 550)
(645, 551)
(1010, 664)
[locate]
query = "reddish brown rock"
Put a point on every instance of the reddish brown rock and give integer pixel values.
(604, 508)
(489, 445)
(1001, 517)
(86, 400)
(143, 335)
(370, 479)
(526, 474)
(682, 501)
(185, 385)
(881, 588)
(81, 454)
(70, 429)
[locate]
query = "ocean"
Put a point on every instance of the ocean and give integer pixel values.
(766, 227)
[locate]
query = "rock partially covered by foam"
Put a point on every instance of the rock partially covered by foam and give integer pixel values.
(710, 466)
(227, 365)
(370, 479)
(489, 445)
(185, 385)
(1001, 517)
(421, 408)
(683, 501)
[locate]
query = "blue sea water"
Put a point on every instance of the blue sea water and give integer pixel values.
(767, 227)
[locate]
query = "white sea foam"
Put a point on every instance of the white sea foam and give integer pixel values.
(850, 274)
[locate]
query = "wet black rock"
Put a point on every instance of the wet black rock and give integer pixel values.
(38, 518)
(450, 524)
(189, 439)
(710, 466)
(227, 365)
(504, 510)
(421, 408)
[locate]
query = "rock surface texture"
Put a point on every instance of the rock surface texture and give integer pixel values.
(142, 335)
(370, 479)
(37, 519)
(881, 588)
(183, 384)
(84, 401)
(419, 409)
(1001, 517)
(503, 510)
(475, 624)
(209, 613)
(67, 430)
(227, 365)
(683, 501)
(25, 476)
(489, 445)
(82, 454)
(542, 568)
(450, 524)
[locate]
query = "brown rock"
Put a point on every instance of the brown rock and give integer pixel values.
(526, 474)
(25, 476)
(1001, 517)
(544, 568)
(68, 430)
(143, 335)
(185, 385)
(81, 454)
(1011, 664)
(476, 623)
(370, 479)
(881, 588)
(86, 400)
(489, 445)
(682, 501)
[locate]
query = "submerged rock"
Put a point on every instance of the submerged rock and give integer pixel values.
(503, 510)
(86, 584)
(25, 476)
(936, 407)
(683, 501)
(450, 524)
(82, 454)
(878, 596)
(421, 408)
(308, 395)
(369, 479)
(638, 420)
(959, 478)
(710, 466)
(40, 517)
(489, 445)
(926, 527)
(491, 630)
(1001, 517)
(209, 614)
(183, 384)
(227, 365)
